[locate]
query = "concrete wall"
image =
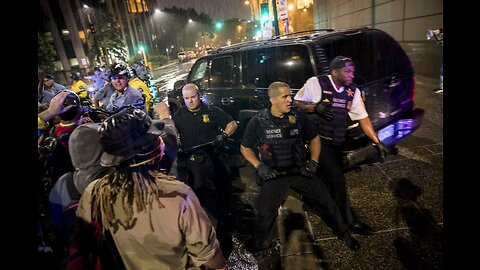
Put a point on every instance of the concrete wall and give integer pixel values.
(405, 20)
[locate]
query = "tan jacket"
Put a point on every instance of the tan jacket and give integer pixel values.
(182, 231)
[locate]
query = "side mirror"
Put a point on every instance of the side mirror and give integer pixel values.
(179, 84)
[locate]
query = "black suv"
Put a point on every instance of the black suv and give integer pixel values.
(236, 78)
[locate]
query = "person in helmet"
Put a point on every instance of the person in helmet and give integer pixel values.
(69, 120)
(142, 71)
(156, 221)
(124, 94)
(78, 86)
(138, 84)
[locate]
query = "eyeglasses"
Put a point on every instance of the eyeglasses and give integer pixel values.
(118, 77)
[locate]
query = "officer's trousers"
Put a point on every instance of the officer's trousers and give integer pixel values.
(330, 171)
(314, 194)
(204, 170)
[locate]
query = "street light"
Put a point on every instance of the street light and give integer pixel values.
(99, 55)
(141, 49)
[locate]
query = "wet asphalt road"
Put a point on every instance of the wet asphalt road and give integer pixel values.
(401, 198)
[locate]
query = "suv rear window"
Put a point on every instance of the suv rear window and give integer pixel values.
(290, 64)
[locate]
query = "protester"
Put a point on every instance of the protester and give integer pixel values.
(156, 222)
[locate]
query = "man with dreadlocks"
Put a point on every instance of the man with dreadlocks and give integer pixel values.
(156, 222)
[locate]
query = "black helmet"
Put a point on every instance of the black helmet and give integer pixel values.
(119, 69)
(75, 76)
(71, 99)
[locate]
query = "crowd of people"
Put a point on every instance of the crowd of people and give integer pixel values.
(118, 175)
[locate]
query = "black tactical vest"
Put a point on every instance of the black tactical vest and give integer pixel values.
(336, 129)
(277, 140)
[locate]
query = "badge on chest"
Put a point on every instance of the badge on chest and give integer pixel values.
(205, 118)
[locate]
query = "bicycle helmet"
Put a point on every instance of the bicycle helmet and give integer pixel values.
(73, 100)
(75, 76)
(119, 69)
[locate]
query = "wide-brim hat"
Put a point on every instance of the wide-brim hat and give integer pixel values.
(126, 134)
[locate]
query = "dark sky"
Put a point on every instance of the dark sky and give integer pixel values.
(216, 9)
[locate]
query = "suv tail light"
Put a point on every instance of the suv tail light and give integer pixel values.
(413, 88)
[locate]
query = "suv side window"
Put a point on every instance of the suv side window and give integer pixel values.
(289, 64)
(221, 71)
(198, 74)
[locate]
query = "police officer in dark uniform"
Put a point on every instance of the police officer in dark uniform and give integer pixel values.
(274, 133)
(333, 100)
(202, 130)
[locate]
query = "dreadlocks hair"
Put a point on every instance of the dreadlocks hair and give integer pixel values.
(115, 195)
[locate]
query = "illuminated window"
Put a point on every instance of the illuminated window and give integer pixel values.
(301, 4)
(82, 36)
(135, 6)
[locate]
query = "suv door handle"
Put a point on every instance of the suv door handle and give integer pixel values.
(226, 101)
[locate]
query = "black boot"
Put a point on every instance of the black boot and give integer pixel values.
(361, 228)
(350, 241)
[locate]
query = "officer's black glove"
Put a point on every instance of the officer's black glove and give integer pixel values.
(382, 149)
(219, 139)
(324, 110)
(310, 169)
(266, 173)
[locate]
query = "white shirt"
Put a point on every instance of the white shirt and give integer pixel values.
(312, 92)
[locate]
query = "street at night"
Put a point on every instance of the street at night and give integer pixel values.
(245, 135)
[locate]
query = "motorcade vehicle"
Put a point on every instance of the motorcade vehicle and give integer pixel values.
(236, 79)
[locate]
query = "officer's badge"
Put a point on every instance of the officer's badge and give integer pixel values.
(349, 105)
(292, 119)
(350, 92)
(206, 118)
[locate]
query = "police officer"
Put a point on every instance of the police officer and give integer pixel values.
(274, 132)
(202, 130)
(332, 99)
